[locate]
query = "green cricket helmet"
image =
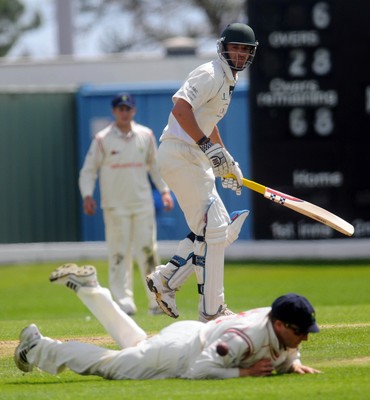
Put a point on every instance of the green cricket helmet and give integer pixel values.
(237, 33)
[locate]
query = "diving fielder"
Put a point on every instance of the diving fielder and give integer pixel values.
(259, 342)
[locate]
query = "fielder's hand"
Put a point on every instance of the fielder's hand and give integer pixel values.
(89, 205)
(167, 201)
(262, 367)
(303, 369)
(234, 183)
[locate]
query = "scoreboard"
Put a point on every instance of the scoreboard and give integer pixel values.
(310, 113)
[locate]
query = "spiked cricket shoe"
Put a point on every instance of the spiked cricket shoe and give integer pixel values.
(156, 310)
(165, 297)
(223, 311)
(127, 305)
(74, 276)
(28, 338)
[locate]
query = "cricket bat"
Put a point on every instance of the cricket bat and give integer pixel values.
(303, 207)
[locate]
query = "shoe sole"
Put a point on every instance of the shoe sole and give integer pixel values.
(71, 269)
(21, 360)
(162, 304)
(20, 356)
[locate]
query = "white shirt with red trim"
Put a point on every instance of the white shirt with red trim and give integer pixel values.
(250, 338)
(123, 163)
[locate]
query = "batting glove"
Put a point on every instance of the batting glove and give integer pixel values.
(221, 161)
(234, 183)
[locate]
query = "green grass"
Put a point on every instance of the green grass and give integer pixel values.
(340, 293)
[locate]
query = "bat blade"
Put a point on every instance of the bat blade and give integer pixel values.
(310, 210)
(301, 206)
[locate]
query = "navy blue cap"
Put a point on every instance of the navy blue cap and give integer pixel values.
(295, 309)
(123, 99)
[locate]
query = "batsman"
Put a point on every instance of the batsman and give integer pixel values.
(191, 156)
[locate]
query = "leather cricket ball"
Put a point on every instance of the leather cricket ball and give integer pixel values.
(222, 349)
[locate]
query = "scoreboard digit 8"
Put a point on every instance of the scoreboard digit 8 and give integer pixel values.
(310, 111)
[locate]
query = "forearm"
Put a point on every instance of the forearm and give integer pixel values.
(216, 137)
(211, 372)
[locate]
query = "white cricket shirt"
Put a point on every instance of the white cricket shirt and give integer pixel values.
(208, 90)
(123, 163)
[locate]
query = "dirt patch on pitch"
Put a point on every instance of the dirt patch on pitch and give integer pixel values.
(344, 362)
(341, 326)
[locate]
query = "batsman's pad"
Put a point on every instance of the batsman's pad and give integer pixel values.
(212, 296)
(237, 221)
(210, 277)
(186, 259)
(180, 267)
(217, 220)
(199, 261)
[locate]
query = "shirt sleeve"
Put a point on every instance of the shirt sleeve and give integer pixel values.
(198, 89)
(153, 167)
(210, 365)
(89, 171)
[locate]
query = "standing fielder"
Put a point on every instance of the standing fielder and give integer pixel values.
(257, 342)
(191, 155)
(124, 154)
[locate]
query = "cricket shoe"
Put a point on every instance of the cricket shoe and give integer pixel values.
(163, 294)
(28, 339)
(223, 311)
(127, 305)
(74, 276)
(156, 310)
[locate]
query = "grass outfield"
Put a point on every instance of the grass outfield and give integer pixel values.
(340, 293)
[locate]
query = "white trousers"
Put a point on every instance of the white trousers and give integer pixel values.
(166, 355)
(130, 234)
(122, 328)
(188, 173)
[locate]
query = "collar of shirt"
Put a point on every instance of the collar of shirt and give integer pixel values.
(122, 135)
(228, 71)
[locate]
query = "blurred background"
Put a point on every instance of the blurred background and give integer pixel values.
(299, 120)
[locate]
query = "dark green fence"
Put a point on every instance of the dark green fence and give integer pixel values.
(38, 172)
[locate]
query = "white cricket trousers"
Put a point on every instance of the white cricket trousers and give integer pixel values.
(188, 173)
(130, 233)
(121, 327)
(166, 355)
